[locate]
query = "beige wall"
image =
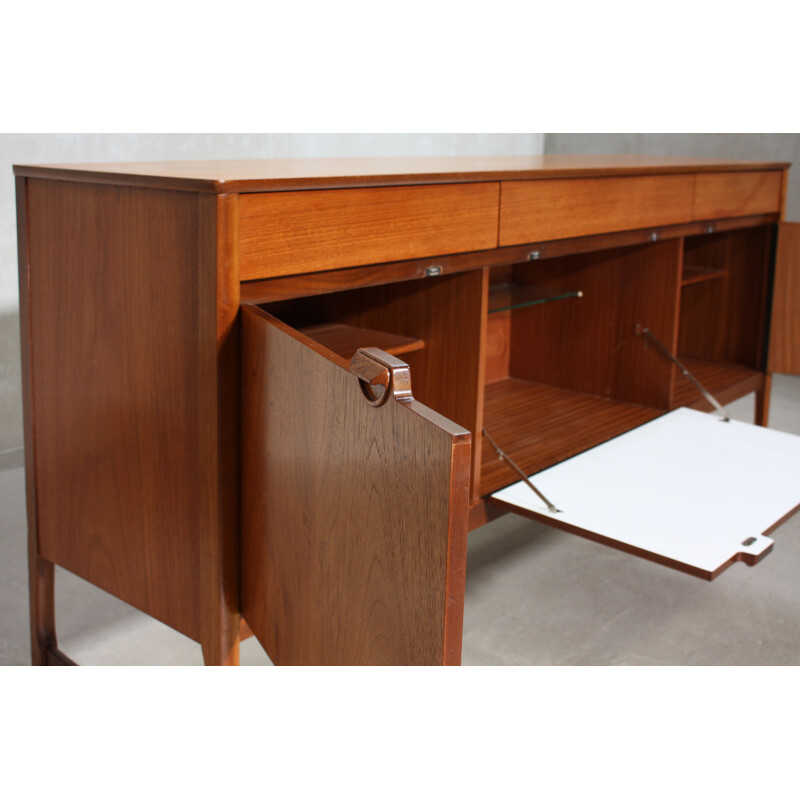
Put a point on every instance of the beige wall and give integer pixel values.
(77, 147)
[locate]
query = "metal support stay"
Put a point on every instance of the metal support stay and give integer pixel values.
(641, 330)
(504, 457)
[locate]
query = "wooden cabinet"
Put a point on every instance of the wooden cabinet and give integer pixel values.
(271, 389)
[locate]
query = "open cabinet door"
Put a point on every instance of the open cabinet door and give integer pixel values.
(686, 490)
(354, 506)
(784, 343)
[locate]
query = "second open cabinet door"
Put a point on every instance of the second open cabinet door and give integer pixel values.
(784, 345)
(354, 506)
(688, 490)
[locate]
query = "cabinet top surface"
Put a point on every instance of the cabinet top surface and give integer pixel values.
(282, 174)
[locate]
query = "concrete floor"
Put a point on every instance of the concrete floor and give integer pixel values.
(534, 596)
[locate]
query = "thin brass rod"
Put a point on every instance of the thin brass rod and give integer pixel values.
(504, 457)
(642, 331)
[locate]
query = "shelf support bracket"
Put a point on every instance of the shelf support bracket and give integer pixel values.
(504, 457)
(641, 330)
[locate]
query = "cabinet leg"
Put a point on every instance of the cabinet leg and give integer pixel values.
(221, 647)
(42, 607)
(762, 401)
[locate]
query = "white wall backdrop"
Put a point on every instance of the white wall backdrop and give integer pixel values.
(37, 148)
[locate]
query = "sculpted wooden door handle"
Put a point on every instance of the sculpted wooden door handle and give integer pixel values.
(374, 368)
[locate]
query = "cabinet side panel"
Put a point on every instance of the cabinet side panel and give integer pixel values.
(118, 381)
(784, 346)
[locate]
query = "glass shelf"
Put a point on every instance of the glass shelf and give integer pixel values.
(507, 296)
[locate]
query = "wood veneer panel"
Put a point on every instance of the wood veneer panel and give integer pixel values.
(41, 573)
(737, 194)
(219, 425)
(498, 346)
(724, 319)
(447, 313)
(589, 344)
(784, 344)
(533, 211)
(354, 547)
(726, 382)
(291, 232)
(700, 274)
(345, 340)
(118, 375)
(285, 288)
(302, 173)
(539, 425)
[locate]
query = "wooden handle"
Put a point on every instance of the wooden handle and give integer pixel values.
(374, 367)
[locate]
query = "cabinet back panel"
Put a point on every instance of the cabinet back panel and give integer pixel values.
(589, 344)
(724, 319)
(448, 313)
(498, 346)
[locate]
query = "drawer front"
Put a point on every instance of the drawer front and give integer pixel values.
(286, 233)
(538, 211)
(737, 194)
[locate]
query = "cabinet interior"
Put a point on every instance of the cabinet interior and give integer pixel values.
(722, 336)
(545, 355)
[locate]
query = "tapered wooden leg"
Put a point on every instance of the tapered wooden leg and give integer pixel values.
(42, 606)
(762, 401)
(221, 648)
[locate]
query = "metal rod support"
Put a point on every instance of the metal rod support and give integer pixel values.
(504, 457)
(641, 330)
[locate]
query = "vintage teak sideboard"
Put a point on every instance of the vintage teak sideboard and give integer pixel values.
(261, 396)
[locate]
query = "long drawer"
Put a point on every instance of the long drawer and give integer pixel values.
(737, 194)
(542, 210)
(285, 233)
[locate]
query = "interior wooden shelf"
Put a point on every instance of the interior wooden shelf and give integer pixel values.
(506, 296)
(344, 340)
(727, 382)
(539, 425)
(700, 274)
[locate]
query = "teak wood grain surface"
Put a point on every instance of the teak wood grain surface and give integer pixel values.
(598, 350)
(142, 476)
(280, 174)
(532, 211)
(354, 516)
(784, 353)
(736, 194)
(290, 232)
(725, 319)
(115, 354)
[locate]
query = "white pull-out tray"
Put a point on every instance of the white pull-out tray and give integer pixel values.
(687, 490)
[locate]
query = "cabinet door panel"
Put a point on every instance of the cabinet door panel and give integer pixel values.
(354, 515)
(686, 490)
(784, 343)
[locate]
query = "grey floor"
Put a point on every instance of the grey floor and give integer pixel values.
(534, 596)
